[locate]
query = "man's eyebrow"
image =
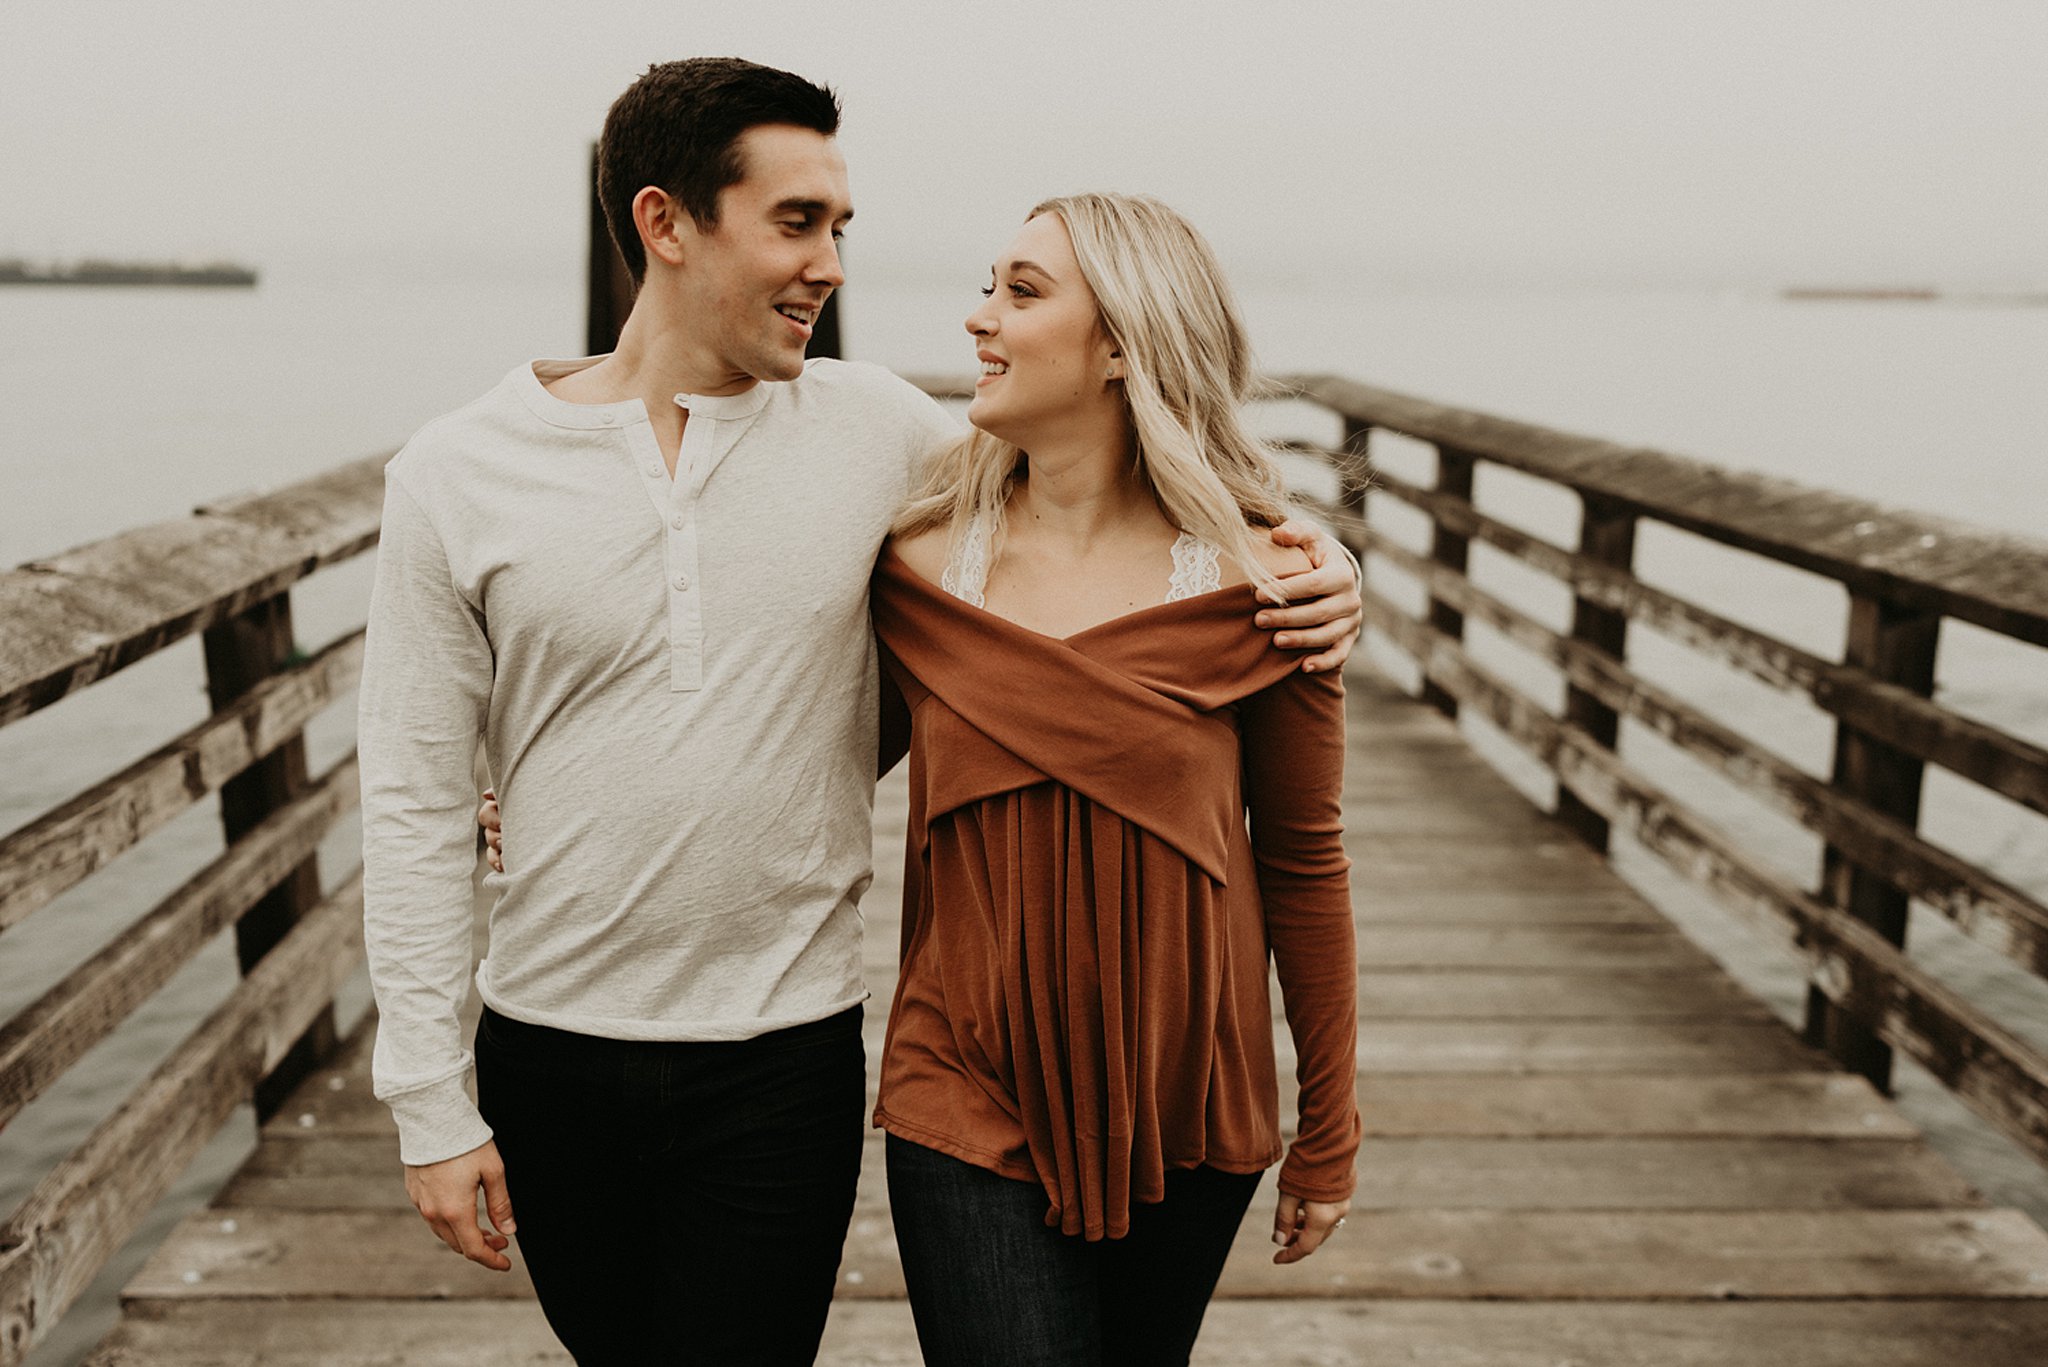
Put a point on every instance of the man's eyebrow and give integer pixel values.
(799, 205)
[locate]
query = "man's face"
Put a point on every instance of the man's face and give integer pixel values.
(753, 285)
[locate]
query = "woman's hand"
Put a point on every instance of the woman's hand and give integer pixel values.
(1324, 613)
(1300, 1227)
(494, 830)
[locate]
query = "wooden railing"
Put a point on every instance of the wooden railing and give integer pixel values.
(225, 572)
(1904, 573)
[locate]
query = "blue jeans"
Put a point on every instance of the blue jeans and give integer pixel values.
(679, 1202)
(991, 1285)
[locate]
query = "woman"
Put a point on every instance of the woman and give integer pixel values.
(1078, 1084)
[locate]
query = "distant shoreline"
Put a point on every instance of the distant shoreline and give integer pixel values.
(1912, 294)
(215, 274)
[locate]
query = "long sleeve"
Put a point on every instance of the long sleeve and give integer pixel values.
(1293, 737)
(425, 692)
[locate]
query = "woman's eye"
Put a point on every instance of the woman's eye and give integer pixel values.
(987, 290)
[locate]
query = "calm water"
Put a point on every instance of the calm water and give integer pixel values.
(123, 407)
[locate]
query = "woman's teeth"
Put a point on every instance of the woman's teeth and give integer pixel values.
(994, 368)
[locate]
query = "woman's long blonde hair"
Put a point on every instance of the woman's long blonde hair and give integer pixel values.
(1187, 374)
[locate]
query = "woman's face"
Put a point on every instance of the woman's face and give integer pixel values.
(1046, 365)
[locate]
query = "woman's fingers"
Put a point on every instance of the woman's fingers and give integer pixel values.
(1286, 1221)
(1305, 1225)
(494, 831)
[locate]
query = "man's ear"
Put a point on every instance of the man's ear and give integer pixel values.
(658, 219)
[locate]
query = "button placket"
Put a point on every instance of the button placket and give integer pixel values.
(685, 604)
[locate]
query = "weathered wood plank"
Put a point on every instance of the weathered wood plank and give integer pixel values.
(1639, 1255)
(1387, 992)
(82, 615)
(1235, 1333)
(53, 1246)
(252, 1253)
(58, 850)
(1628, 1046)
(1786, 1105)
(1493, 907)
(51, 1033)
(1635, 948)
(1998, 580)
(1693, 1173)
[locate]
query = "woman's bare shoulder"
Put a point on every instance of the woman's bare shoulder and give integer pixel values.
(925, 551)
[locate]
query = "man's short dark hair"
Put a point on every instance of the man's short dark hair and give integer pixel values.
(678, 128)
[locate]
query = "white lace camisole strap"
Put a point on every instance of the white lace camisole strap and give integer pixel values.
(1196, 567)
(966, 572)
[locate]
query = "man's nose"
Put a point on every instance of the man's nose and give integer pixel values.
(826, 268)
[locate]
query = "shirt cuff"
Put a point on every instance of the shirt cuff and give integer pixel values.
(437, 1122)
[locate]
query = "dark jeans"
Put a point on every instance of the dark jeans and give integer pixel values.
(679, 1202)
(991, 1285)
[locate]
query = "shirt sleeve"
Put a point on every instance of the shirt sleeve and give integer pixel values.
(932, 430)
(1293, 737)
(425, 692)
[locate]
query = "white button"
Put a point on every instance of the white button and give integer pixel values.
(682, 581)
(678, 522)
(654, 469)
(607, 419)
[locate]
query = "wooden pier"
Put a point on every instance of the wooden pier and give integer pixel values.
(1586, 1143)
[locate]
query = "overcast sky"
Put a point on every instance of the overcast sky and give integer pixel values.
(1338, 144)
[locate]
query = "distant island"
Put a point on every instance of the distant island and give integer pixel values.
(14, 271)
(1912, 294)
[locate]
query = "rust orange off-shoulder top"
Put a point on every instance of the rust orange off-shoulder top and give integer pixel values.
(1087, 920)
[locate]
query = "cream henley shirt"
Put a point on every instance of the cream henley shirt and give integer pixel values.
(674, 681)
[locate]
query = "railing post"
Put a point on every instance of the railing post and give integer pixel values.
(1607, 534)
(240, 653)
(1896, 645)
(1452, 550)
(608, 284)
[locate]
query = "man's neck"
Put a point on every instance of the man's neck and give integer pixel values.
(656, 359)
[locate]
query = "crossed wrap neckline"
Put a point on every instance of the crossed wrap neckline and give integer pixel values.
(1066, 708)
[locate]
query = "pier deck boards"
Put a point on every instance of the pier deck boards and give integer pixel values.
(1585, 1144)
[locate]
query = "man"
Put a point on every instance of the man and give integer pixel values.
(589, 570)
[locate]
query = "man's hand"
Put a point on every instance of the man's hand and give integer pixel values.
(494, 830)
(1300, 1227)
(1324, 612)
(445, 1195)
